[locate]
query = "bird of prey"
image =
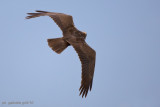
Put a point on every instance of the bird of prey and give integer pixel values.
(72, 36)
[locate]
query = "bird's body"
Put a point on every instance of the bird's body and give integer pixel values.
(72, 36)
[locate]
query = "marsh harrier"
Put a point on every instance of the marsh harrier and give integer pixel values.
(72, 36)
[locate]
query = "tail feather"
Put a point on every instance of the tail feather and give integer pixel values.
(58, 44)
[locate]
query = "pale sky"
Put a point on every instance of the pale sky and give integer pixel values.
(124, 33)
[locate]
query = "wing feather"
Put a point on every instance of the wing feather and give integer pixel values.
(87, 57)
(64, 21)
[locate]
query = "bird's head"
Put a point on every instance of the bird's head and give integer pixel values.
(84, 34)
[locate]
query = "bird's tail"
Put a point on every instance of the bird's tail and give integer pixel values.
(58, 44)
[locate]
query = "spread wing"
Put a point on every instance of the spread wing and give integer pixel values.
(62, 20)
(87, 57)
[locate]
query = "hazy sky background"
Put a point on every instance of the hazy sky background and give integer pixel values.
(124, 33)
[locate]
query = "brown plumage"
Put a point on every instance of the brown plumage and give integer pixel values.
(72, 36)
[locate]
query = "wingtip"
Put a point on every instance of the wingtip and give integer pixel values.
(82, 95)
(27, 17)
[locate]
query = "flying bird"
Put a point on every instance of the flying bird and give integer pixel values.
(72, 37)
